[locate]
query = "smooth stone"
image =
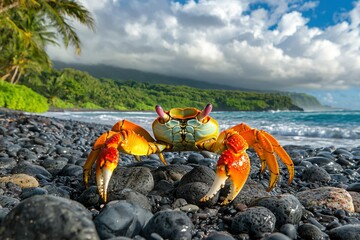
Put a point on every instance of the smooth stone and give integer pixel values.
(26, 154)
(3, 213)
(286, 208)
(29, 192)
(138, 179)
(54, 166)
(251, 191)
(13, 149)
(120, 218)
(316, 174)
(309, 231)
(277, 236)
(48, 217)
(331, 197)
(30, 169)
(23, 180)
(289, 230)
(354, 187)
(131, 196)
(169, 224)
(199, 174)
(71, 170)
(195, 158)
(192, 192)
(256, 221)
(219, 236)
(351, 231)
(171, 173)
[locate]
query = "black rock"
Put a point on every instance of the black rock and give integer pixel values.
(139, 179)
(169, 224)
(309, 231)
(285, 207)
(355, 187)
(277, 236)
(54, 166)
(199, 174)
(48, 217)
(171, 173)
(289, 230)
(256, 221)
(131, 196)
(29, 192)
(219, 236)
(351, 231)
(71, 170)
(8, 202)
(30, 169)
(192, 192)
(315, 174)
(89, 197)
(120, 218)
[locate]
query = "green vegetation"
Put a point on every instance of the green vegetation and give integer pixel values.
(75, 89)
(27, 27)
(19, 97)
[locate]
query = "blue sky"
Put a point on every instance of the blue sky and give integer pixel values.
(290, 45)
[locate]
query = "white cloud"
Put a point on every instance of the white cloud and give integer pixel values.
(223, 41)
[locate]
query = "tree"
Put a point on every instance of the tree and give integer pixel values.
(25, 32)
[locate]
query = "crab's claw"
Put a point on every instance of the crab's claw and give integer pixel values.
(107, 162)
(234, 163)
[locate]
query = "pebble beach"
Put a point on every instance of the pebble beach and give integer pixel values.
(42, 194)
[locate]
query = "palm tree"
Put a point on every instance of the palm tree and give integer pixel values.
(24, 32)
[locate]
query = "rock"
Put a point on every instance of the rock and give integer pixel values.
(48, 217)
(171, 173)
(315, 174)
(8, 202)
(286, 208)
(139, 179)
(30, 169)
(120, 218)
(89, 197)
(23, 180)
(219, 236)
(71, 170)
(132, 197)
(54, 166)
(169, 224)
(308, 231)
(195, 158)
(7, 163)
(354, 187)
(331, 197)
(29, 192)
(351, 231)
(356, 200)
(192, 192)
(277, 236)
(199, 174)
(289, 230)
(256, 221)
(251, 191)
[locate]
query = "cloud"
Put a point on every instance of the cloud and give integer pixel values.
(253, 44)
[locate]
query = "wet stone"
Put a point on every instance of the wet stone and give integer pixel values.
(133, 219)
(131, 196)
(315, 174)
(251, 191)
(139, 179)
(71, 170)
(199, 174)
(89, 197)
(354, 187)
(54, 166)
(30, 169)
(169, 225)
(171, 173)
(48, 217)
(195, 158)
(351, 231)
(192, 192)
(219, 236)
(29, 192)
(256, 221)
(8, 202)
(286, 208)
(7, 163)
(309, 231)
(277, 236)
(289, 230)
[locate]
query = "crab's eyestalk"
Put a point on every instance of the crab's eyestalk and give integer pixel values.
(207, 110)
(164, 116)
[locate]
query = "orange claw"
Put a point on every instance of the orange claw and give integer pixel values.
(234, 163)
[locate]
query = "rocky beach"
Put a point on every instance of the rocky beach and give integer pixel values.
(42, 194)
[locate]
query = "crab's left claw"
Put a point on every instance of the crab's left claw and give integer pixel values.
(107, 162)
(234, 163)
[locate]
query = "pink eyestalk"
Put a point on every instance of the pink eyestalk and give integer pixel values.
(205, 112)
(165, 117)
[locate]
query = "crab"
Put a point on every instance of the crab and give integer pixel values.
(189, 129)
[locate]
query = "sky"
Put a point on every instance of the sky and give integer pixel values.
(288, 45)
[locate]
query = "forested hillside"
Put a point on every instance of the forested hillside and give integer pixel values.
(71, 88)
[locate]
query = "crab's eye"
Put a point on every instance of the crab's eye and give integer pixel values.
(205, 112)
(164, 116)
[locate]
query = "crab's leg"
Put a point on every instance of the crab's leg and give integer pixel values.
(105, 153)
(265, 146)
(233, 163)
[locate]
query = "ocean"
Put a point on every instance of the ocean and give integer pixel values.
(317, 129)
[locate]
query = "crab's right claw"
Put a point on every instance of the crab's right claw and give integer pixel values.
(105, 165)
